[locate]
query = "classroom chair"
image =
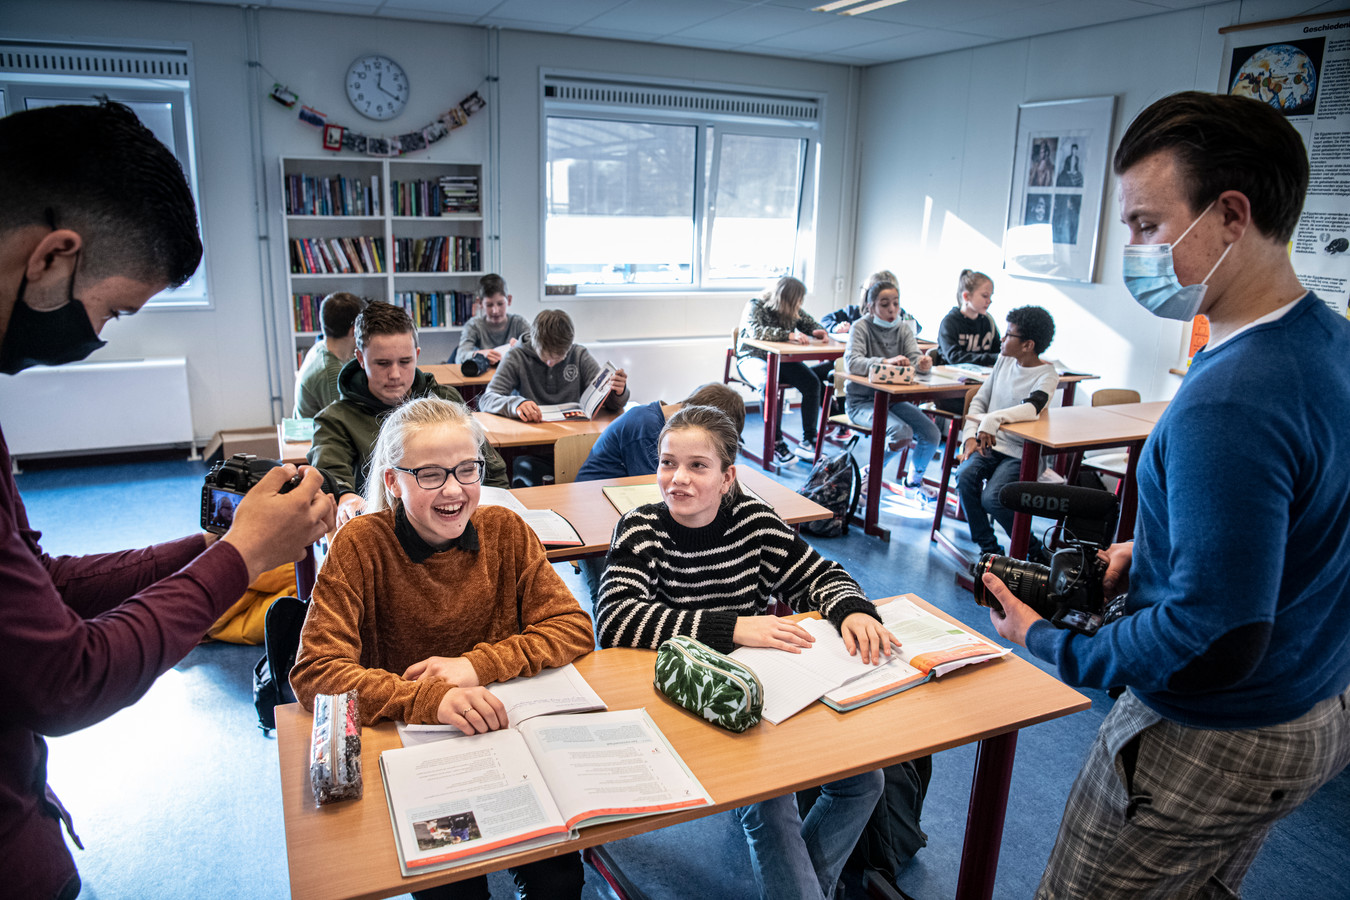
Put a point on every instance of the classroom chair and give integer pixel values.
(569, 453)
(945, 489)
(1110, 462)
(731, 376)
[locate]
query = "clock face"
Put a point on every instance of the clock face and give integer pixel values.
(377, 86)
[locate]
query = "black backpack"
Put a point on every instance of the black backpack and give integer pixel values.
(271, 675)
(836, 484)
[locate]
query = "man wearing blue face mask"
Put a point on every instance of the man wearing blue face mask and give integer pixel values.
(96, 219)
(1235, 652)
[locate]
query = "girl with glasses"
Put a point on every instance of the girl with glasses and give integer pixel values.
(428, 597)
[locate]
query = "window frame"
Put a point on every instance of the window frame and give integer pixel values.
(17, 88)
(710, 129)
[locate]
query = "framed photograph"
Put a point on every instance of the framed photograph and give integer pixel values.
(1059, 179)
(332, 137)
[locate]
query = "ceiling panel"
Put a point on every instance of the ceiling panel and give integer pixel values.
(787, 28)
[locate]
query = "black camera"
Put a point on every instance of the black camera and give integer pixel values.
(227, 483)
(1069, 591)
(475, 365)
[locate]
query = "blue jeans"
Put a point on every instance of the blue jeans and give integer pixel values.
(904, 420)
(978, 483)
(802, 859)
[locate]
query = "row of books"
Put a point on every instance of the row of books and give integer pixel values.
(311, 195)
(438, 254)
(337, 255)
(449, 195)
(434, 309)
(459, 194)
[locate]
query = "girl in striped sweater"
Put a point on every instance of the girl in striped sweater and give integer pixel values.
(704, 563)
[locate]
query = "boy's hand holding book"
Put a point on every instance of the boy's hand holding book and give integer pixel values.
(618, 382)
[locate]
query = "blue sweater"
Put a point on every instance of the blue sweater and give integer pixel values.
(1240, 587)
(628, 446)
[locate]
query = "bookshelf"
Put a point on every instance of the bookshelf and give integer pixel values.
(406, 232)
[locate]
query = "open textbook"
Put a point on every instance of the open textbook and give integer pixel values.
(929, 644)
(551, 527)
(531, 785)
(591, 398)
(552, 691)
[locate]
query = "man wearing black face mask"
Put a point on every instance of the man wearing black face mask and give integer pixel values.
(96, 219)
(1235, 654)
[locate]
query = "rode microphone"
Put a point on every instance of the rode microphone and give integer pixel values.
(1091, 514)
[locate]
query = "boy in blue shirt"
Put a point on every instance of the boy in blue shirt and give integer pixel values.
(1235, 650)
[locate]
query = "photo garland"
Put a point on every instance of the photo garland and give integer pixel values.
(337, 137)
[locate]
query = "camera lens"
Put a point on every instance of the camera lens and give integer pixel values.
(1029, 582)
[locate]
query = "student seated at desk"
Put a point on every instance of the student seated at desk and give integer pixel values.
(629, 447)
(777, 316)
(547, 368)
(1019, 388)
(841, 320)
(316, 384)
(494, 328)
(703, 563)
(881, 336)
(383, 375)
(429, 597)
(968, 334)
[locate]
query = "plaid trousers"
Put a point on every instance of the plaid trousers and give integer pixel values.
(1163, 810)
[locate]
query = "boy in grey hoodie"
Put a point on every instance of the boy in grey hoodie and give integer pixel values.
(546, 367)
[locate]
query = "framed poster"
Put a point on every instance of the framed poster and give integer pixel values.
(1059, 177)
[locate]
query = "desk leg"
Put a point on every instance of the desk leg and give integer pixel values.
(603, 863)
(1129, 495)
(1020, 539)
(877, 464)
(771, 412)
(984, 818)
(1069, 387)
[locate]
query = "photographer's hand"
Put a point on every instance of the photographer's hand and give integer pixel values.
(271, 528)
(1017, 617)
(1118, 557)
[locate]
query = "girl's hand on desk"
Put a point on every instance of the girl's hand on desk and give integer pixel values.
(864, 634)
(798, 338)
(819, 334)
(770, 631)
(924, 364)
(454, 669)
(473, 710)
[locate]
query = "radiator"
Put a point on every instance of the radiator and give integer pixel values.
(96, 406)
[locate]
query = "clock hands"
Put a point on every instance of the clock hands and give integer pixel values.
(379, 83)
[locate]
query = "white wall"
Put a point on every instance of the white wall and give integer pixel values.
(226, 346)
(937, 154)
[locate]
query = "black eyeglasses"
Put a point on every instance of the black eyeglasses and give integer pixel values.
(1009, 334)
(432, 477)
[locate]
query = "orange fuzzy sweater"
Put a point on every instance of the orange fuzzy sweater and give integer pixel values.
(375, 612)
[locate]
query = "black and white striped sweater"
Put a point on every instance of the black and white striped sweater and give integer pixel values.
(663, 579)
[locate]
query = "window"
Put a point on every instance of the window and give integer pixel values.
(154, 83)
(667, 188)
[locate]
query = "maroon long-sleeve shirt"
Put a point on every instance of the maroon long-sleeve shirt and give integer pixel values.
(80, 638)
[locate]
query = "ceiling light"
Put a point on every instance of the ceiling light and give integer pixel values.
(866, 7)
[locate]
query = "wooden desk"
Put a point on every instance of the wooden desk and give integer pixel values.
(932, 387)
(1080, 428)
(296, 452)
(584, 504)
(508, 431)
(346, 850)
(1149, 412)
(778, 353)
(469, 386)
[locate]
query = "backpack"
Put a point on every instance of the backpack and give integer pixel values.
(271, 674)
(836, 484)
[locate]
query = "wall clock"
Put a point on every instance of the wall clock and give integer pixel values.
(377, 86)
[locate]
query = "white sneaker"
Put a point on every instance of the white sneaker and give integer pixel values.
(802, 451)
